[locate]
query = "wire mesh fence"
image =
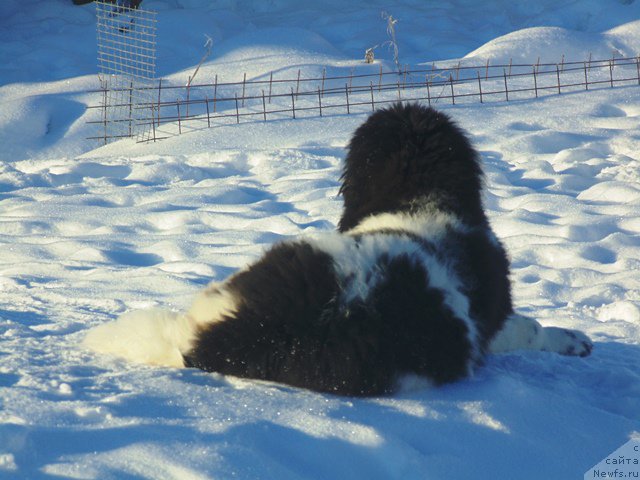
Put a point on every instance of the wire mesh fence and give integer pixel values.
(175, 109)
(126, 39)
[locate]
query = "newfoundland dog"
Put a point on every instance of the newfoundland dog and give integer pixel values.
(413, 284)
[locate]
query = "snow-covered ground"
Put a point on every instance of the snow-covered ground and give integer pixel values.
(88, 233)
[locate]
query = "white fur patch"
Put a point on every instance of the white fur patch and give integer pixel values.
(155, 337)
(517, 333)
(430, 224)
(212, 304)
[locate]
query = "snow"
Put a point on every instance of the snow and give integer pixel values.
(88, 233)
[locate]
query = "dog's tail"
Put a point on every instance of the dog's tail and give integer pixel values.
(154, 337)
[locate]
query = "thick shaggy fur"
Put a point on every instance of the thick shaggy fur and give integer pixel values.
(414, 283)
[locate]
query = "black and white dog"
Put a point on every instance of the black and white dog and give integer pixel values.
(414, 283)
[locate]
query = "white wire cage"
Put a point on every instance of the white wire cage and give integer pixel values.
(126, 40)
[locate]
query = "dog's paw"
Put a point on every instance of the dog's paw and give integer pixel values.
(567, 342)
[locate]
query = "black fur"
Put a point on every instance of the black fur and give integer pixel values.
(296, 321)
(401, 156)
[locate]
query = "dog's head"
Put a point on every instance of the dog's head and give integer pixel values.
(404, 157)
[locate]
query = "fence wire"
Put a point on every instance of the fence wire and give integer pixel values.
(174, 109)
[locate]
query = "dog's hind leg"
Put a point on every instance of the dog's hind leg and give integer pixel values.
(524, 333)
